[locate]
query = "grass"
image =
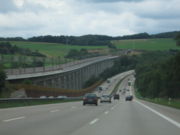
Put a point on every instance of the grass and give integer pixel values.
(21, 103)
(57, 49)
(53, 49)
(162, 101)
(147, 44)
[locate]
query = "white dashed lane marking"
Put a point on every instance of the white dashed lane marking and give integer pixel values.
(17, 118)
(106, 112)
(94, 121)
(54, 110)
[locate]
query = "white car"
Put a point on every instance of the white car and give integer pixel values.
(62, 97)
(50, 97)
(42, 97)
(105, 98)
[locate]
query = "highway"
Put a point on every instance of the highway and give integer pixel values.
(118, 118)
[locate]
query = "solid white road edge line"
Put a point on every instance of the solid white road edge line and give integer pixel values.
(94, 121)
(159, 114)
(18, 118)
(54, 110)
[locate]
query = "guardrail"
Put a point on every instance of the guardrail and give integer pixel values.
(9, 100)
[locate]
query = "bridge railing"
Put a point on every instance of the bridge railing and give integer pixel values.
(19, 71)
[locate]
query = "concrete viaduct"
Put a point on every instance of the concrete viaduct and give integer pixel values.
(67, 76)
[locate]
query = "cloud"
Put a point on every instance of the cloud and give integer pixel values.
(7, 6)
(73, 17)
(110, 1)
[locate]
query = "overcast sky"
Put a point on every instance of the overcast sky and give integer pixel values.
(28, 18)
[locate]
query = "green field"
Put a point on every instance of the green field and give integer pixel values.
(52, 49)
(146, 44)
(56, 49)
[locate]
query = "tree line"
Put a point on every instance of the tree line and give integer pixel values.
(90, 40)
(2, 79)
(80, 54)
(158, 74)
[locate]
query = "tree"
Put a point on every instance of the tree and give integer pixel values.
(73, 53)
(178, 39)
(111, 46)
(2, 79)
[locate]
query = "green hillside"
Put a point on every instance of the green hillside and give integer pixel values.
(55, 49)
(146, 44)
(52, 49)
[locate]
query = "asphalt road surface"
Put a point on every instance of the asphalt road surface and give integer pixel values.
(118, 118)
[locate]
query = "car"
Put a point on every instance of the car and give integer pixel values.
(116, 96)
(108, 81)
(90, 98)
(129, 98)
(100, 88)
(105, 98)
(42, 97)
(62, 97)
(51, 97)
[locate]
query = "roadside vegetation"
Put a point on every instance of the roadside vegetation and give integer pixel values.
(2, 79)
(175, 103)
(158, 77)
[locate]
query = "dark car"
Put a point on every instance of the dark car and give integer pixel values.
(90, 98)
(116, 96)
(129, 98)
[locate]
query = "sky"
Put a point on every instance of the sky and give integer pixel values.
(27, 18)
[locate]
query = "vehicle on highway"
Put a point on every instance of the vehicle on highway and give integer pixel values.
(90, 98)
(108, 81)
(129, 83)
(62, 97)
(129, 98)
(105, 98)
(100, 88)
(116, 97)
(50, 97)
(42, 97)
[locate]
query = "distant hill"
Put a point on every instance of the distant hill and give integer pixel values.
(91, 40)
(166, 35)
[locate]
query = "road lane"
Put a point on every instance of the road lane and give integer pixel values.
(119, 117)
(62, 122)
(159, 114)
(129, 118)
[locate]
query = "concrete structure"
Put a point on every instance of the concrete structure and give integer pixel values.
(69, 77)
